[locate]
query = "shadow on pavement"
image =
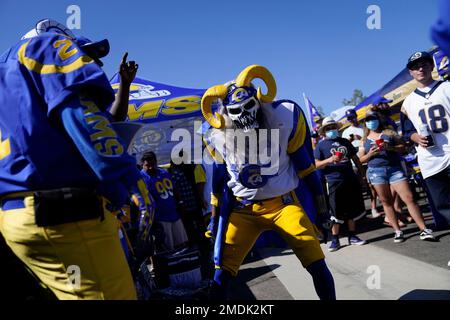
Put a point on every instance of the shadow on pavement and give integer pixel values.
(442, 235)
(420, 294)
(408, 233)
(239, 286)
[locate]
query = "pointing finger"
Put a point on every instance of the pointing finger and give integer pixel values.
(124, 58)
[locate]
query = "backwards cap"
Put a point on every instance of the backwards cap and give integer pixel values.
(95, 50)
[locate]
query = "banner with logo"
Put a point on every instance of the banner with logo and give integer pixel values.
(161, 109)
(155, 102)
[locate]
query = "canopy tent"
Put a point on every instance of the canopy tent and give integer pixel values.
(161, 109)
(340, 112)
(399, 88)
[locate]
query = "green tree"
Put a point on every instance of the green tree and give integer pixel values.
(356, 98)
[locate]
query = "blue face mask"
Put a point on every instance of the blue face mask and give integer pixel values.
(332, 134)
(373, 124)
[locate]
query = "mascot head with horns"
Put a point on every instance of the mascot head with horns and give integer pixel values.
(240, 99)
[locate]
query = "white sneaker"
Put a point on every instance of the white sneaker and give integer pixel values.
(336, 220)
(375, 213)
(427, 235)
(399, 237)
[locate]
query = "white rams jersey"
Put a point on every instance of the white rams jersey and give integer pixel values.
(431, 105)
(245, 180)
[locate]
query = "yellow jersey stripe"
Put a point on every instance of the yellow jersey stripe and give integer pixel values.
(40, 68)
(304, 173)
(5, 147)
(217, 157)
(299, 137)
(214, 200)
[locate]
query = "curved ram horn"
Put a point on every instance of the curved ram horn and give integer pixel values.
(256, 71)
(212, 94)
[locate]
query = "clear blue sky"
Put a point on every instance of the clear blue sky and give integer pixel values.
(320, 47)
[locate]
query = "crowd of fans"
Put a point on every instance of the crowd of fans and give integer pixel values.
(365, 160)
(165, 234)
(385, 152)
(179, 224)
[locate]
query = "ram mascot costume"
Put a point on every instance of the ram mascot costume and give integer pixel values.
(254, 192)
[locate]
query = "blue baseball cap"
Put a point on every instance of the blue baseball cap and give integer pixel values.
(94, 49)
(351, 113)
(419, 56)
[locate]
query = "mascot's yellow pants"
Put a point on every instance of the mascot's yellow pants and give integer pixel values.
(80, 260)
(289, 220)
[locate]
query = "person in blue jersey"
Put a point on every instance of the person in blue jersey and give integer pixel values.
(160, 186)
(252, 193)
(63, 169)
(334, 155)
(380, 150)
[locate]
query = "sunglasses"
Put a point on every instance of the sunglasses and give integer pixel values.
(419, 65)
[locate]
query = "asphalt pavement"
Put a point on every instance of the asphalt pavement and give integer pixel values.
(379, 270)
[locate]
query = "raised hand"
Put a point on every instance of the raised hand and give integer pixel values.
(127, 70)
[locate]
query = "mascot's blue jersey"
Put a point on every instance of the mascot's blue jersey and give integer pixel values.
(43, 80)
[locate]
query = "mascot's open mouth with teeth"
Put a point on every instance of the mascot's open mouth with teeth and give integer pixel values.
(244, 114)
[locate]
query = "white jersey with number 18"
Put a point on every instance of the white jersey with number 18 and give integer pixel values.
(431, 106)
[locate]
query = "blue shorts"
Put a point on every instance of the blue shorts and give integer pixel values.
(385, 175)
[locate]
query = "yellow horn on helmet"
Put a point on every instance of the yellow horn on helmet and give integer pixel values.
(255, 71)
(212, 94)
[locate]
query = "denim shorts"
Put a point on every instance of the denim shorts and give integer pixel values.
(385, 175)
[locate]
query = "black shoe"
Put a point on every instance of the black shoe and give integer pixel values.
(399, 237)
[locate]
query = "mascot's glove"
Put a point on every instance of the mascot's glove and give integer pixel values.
(212, 227)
